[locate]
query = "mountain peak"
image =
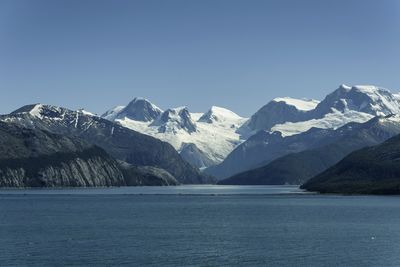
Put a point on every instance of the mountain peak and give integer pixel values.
(139, 98)
(112, 113)
(50, 112)
(219, 114)
(369, 99)
(344, 87)
(174, 119)
(280, 110)
(33, 109)
(139, 109)
(300, 104)
(40, 111)
(368, 89)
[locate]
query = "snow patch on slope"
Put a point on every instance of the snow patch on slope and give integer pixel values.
(300, 104)
(36, 111)
(382, 99)
(219, 115)
(332, 120)
(215, 131)
(112, 113)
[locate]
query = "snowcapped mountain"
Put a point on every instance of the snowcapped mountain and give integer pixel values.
(139, 109)
(206, 139)
(120, 142)
(221, 116)
(331, 120)
(291, 118)
(173, 120)
(369, 99)
(324, 151)
(202, 139)
(280, 110)
(299, 104)
(346, 104)
(112, 113)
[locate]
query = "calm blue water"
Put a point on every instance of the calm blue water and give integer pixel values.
(197, 226)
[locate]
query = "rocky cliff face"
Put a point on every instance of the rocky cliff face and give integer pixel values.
(76, 172)
(147, 175)
(36, 158)
(120, 142)
(173, 120)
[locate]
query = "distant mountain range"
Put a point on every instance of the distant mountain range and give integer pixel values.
(203, 139)
(121, 143)
(326, 149)
(312, 128)
(287, 141)
(213, 135)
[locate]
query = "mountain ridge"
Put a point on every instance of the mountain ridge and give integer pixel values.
(297, 168)
(345, 104)
(213, 133)
(370, 170)
(121, 143)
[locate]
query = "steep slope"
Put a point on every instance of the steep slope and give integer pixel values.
(213, 134)
(297, 168)
(280, 110)
(146, 176)
(264, 147)
(139, 109)
(150, 176)
(122, 143)
(112, 113)
(373, 100)
(371, 170)
(332, 120)
(191, 153)
(36, 158)
(173, 120)
(344, 105)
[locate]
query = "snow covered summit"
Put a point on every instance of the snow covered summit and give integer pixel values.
(368, 99)
(280, 110)
(300, 104)
(175, 119)
(139, 109)
(220, 115)
(357, 103)
(203, 139)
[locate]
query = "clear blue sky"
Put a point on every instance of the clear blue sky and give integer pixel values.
(236, 54)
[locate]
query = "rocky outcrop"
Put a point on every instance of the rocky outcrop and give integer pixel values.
(147, 176)
(36, 158)
(92, 171)
(175, 119)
